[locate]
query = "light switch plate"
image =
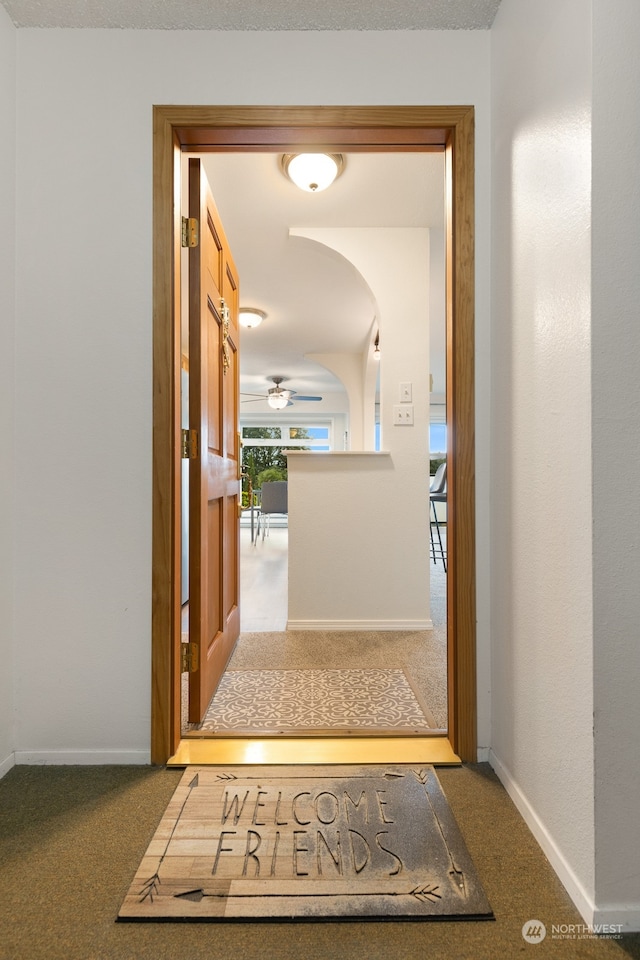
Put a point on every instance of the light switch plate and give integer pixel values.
(403, 415)
(406, 392)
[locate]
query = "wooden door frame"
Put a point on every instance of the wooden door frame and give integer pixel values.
(285, 129)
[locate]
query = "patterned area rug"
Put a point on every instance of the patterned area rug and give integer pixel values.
(276, 701)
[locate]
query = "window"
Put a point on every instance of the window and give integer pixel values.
(437, 438)
(261, 433)
(314, 438)
(307, 436)
(264, 445)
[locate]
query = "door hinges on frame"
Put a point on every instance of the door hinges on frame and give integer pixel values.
(189, 444)
(190, 232)
(189, 657)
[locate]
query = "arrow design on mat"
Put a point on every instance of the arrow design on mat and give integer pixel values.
(422, 775)
(426, 893)
(150, 887)
(456, 875)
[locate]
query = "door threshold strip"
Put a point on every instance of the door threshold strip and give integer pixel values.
(313, 750)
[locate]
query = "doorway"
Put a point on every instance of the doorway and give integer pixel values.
(320, 320)
(283, 129)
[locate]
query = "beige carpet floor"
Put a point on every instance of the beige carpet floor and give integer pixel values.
(71, 839)
(422, 655)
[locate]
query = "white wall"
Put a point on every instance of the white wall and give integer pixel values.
(7, 295)
(542, 626)
(367, 566)
(361, 586)
(616, 455)
(83, 386)
(83, 506)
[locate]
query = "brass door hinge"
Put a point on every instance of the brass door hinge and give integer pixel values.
(190, 232)
(189, 444)
(189, 657)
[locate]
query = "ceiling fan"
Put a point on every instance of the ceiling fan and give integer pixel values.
(277, 397)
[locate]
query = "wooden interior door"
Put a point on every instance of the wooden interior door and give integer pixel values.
(214, 478)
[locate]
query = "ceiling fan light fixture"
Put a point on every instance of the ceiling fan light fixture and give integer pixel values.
(251, 317)
(312, 172)
(278, 401)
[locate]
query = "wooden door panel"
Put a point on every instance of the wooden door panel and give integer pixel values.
(215, 409)
(231, 388)
(214, 569)
(214, 615)
(214, 252)
(231, 297)
(230, 583)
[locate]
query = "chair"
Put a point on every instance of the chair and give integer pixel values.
(273, 499)
(438, 494)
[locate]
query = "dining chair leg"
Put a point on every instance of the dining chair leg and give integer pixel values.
(441, 548)
(433, 546)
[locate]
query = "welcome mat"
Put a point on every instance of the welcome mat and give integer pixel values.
(306, 843)
(282, 701)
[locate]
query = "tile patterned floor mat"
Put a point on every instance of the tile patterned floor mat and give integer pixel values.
(283, 700)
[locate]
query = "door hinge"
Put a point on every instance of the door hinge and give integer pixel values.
(189, 658)
(190, 232)
(189, 444)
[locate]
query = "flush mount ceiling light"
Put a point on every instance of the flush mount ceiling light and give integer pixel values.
(250, 317)
(312, 172)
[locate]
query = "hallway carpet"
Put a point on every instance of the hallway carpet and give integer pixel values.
(422, 654)
(71, 839)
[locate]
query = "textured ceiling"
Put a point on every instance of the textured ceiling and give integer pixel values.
(256, 14)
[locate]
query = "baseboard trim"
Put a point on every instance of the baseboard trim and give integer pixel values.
(359, 625)
(7, 764)
(582, 901)
(623, 915)
(83, 757)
